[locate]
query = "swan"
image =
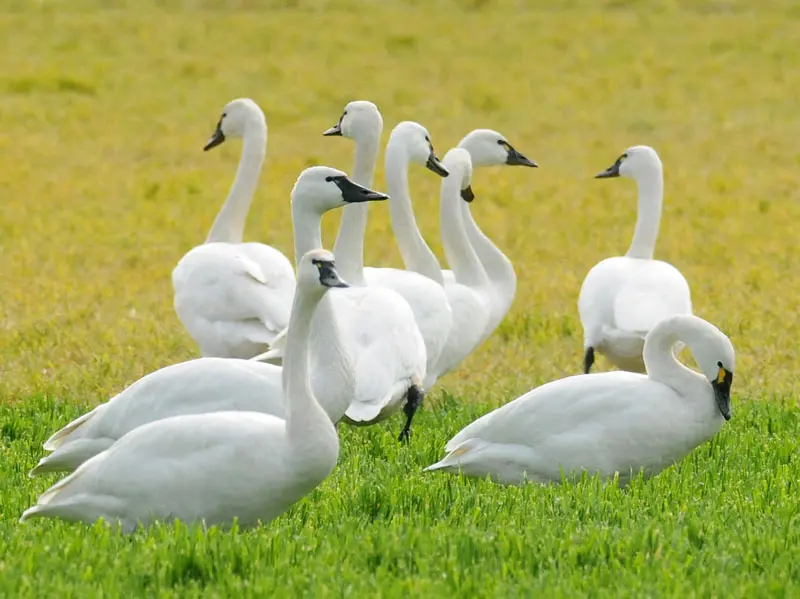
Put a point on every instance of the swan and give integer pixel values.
(233, 298)
(217, 467)
(623, 297)
(606, 423)
(421, 283)
(379, 334)
(489, 148)
(469, 293)
(215, 384)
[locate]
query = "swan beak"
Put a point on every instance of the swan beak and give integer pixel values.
(216, 139)
(328, 277)
(722, 392)
(611, 171)
(354, 193)
(335, 130)
(516, 159)
(467, 195)
(435, 165)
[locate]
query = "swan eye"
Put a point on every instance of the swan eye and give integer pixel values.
(224, 114)
(328, 179)
(344, 113)
(719, 364)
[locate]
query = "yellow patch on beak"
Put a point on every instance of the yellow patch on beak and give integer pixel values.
(721, 376)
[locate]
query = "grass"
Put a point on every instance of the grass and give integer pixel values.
(103, 113)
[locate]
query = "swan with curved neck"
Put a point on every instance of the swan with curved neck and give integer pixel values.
(470, 292)
(218, 384)
(233, 298)
(607, 423)
(219, 467)
(489, 148)
(623, 297)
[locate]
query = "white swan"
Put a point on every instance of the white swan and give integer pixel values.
(232, 297)
(219, 467)
(490, 148)
(216, 384)
(469, 293)
(624, 297)
(606, 423)
(421, 284)
(379, 334)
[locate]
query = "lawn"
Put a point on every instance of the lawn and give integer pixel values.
(103, 115)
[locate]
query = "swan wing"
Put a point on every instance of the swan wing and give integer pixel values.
(652, 294)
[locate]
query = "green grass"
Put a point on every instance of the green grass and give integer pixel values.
(103, 114)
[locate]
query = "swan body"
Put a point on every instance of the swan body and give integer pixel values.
(379, 334)
(606, 423)
(214, 468)
(220, 384)
(489, 148)
(233, 298)
(623, 297)
(469, 293)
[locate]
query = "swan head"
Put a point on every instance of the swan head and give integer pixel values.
(236, 116)
(359, 119)
(321, 188)
(712, 350)
(489, 148)
(317, 271)
(634, 162)
(417, 142)
(459, 163)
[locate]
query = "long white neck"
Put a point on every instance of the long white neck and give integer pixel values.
(349, 246)
(660, 360)
(495, 263)
(651, 195)
(229, 225)
(306, 421)
(417, 256)
(459, 252)
(307, 230)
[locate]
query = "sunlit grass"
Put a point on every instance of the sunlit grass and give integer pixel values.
(103, 114)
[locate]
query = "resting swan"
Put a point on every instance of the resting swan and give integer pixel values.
(216, 384)
(218, 467)
(233, 298)
(624, 297)
(606, 423)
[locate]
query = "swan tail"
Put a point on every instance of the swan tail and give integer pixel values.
(271, 356)
(67, 458)
(62, 435)
(452, 461)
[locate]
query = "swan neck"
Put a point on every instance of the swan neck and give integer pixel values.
(349, 246)
(650, 186)
(228, 227)
(660, 361)
(307, 231)
(303, 412)
(417, 256)
(459, 252)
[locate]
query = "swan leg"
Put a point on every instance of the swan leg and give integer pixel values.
(588, 360)
(414, 399)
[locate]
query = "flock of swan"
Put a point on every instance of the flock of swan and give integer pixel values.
(290, 351)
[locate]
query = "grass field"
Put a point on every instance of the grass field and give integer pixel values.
(103, 115)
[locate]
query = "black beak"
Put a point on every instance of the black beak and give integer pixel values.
(328, 276)
(335, 130)
(216, 139)
(353, 192)
(722, 392)
(466, 194)
(435, 165)
(517, 159)
(611, 171)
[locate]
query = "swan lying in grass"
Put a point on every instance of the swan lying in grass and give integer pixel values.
(218, 467)
(490, 148)
(606, 423)
(623, 297)
(217, 384)
(233, 298)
